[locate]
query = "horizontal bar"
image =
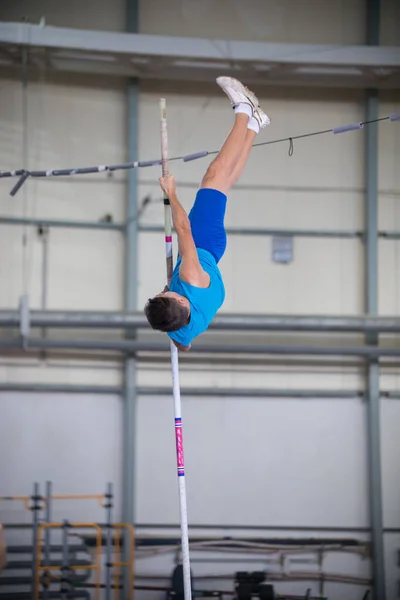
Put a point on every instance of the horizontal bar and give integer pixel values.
(50, 595)
(246, 231)
(271, 231)
(306, 233)
(389, 235)
(345, 128)
(233, 527)
(262, 393)
(195, 392)
(27, 580)
(72, 567)
(122, 345)
(283, 188)
(78, 497)
(221, 322)
(27, 549)
(60, 388)
(328, 528)
(62, 223)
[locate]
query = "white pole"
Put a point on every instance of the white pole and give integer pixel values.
(175, 371)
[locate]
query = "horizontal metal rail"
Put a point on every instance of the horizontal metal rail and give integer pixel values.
(308, 233)
(221, 322)
(37, 222)
(130, 346)
(243, 231)
(194, 392)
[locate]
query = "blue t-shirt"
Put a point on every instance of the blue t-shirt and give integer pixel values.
(204, 302)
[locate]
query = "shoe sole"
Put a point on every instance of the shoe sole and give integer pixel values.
(239, 88)
(262, 117)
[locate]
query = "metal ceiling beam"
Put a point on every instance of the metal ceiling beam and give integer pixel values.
(167, 57)
(187, 48)
(221, 322)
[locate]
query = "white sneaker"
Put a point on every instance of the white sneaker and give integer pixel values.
(238, 93)
(262, 118)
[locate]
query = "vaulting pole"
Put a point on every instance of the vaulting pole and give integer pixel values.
(175, 369)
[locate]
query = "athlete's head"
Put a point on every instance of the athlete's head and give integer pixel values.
(167, 311)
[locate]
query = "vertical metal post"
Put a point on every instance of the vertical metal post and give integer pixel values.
(373, 22)
(109, 507)
(129, 441)
(65, 564)
(44, 234)
(47, 535)
(36, 506)
(131, 278)
(371, 307)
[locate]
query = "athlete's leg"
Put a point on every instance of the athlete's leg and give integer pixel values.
(219, 173)
(228, 165)
(241, 162)
(208, 212)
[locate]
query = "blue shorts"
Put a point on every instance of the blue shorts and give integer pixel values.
(207, 222)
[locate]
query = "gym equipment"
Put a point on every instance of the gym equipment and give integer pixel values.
(52, 595)
(45, 571)
(251, 585)
(3, 549)
(65, 567)
(108, 506)
(178, 583)
(177, 591)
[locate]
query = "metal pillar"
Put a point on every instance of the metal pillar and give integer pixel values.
(371, 307)
(131, 278)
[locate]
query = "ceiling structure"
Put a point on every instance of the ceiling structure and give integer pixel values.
(195, 59)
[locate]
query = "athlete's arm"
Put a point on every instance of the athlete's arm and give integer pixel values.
(190, 269)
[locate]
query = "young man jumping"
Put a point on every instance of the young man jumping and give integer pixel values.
(197, 290)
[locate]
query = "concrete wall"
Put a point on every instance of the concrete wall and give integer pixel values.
(312, 22)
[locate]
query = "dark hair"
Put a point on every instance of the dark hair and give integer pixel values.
(165, 313)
